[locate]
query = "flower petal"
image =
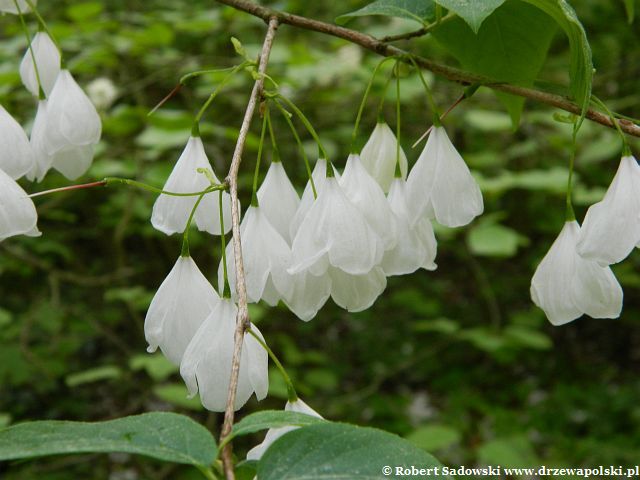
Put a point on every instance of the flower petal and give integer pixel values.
(16, 155)
(611, 228)
(278, 199)
(18, 214)
(379, 156)
(356, 292)
(551, 286)
(47, 58)
(183, 301)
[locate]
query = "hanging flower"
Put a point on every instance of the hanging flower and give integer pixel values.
(41, 159)
(335, 233)
(273, 434)
(278, 199)
(318, 175)
(73, 127)
(16, 156)
(309, 294)
(9, 6)
(440, 185)
(18, 214)
(379, 156)
(611, 228)
(48, 61)
(183, 301)
(170, 213)
(565, 285)
(417, 245)
(356, 293)
(365, 193)
(266, 257)
(206, 364)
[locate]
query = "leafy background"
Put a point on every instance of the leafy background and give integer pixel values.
(457, 360)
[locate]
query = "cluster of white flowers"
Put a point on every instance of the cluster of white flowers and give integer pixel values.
(64, 132)
(342, 240)
(574, 278)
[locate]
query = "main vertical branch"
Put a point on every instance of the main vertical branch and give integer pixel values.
(242, 320)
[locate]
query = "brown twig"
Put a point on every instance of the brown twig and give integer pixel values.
(453, 74)
(242, 320)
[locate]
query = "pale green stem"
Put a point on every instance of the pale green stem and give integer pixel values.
(623, 137)
(430, 99)
(570, 214)
(398, 120)
(226, 289)
(185, 234)
(363, 103)
(305, 121)
(108, 181)
(379, 116)
(197, 73)
(43, 24)
(286, 116)
(254, 195)
(36, 70)
(291, 391)
(217, 90)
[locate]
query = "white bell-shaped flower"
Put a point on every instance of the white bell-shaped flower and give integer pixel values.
(335, 233)
(309, 294)
(9, 6)
(278, 199)
(565, 285)
(365, 193)
(266, 257)
(48, 61)
(318, 174)
(356, 293)
(611, 228)
(170, 213)
(379, 156)
(206, 364)
(18, 214)
(73, 161)
(16, 155)
(440, 184)
(73, 120)
(183, 301)
(42, 160)
(417, 246)
(273, 434)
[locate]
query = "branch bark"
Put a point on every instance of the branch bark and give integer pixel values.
(242, 319)
(453, 74)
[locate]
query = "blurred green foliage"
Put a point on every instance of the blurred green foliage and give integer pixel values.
(458, 360)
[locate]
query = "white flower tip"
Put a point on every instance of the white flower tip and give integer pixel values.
(152, 348)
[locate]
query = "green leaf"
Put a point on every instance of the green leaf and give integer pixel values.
(493, 240)
(157, 366)
(512, 452)
(434, 436)
(340, 451)
(177, 394)
(528, 337)
(107, 372)
(581, 69)
(272, 419)
(162, 435)
(630, 7)
(472, 11)
(421, 11)
(511, 46)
